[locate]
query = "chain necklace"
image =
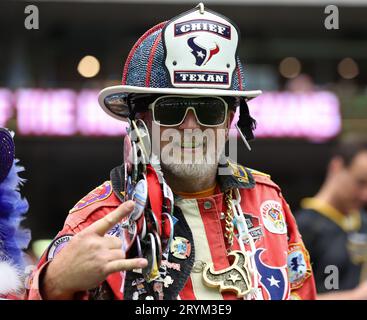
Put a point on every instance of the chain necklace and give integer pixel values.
(229, 226)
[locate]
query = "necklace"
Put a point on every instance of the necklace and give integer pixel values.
(236, 278)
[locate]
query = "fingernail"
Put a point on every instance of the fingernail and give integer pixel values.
(143, 262)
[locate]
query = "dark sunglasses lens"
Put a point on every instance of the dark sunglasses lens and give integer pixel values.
(211, 111)
(171, 110)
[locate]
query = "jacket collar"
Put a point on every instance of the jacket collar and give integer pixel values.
(229, 176)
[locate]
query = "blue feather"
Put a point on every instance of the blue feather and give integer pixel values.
(13, 238)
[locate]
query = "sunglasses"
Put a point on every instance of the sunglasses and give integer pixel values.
(171, 111)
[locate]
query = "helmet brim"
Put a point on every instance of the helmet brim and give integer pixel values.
(124, 89)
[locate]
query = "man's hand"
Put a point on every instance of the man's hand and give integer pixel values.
(88, 259)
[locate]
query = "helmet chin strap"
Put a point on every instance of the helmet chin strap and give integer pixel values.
(246, 124)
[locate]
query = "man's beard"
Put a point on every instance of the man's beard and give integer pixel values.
(202, 167)
(179, 163)
(193, 170)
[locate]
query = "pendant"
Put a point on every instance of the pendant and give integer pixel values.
(236, 278)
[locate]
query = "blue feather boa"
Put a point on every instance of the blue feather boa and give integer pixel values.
(13, 238)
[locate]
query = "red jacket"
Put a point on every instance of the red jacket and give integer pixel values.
(281, 259)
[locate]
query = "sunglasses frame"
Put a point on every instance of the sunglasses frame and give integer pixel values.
(152, 107)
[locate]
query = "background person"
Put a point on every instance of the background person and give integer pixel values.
(333, 223)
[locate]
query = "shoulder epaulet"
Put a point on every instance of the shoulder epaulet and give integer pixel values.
(233, 175)
(101, 196)
(263, 178)
(239, 171)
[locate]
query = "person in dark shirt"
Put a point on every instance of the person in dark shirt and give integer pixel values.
(333, 225)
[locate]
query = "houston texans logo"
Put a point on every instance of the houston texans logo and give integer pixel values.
(273, 279)
(202, 55)
(236, 278)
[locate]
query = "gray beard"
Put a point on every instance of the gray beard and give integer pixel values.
(185, 170)
(193, 171)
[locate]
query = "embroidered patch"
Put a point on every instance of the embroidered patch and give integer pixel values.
(58, 244)
(299, 266)
(273, 217)
(171, 265)
(273, 279)
(254, 226)
(98, 194)
(180, 248)
(239, 172)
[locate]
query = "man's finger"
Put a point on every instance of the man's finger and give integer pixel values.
(107, 222)
(126, 264)
(112, 242)
(116, 254)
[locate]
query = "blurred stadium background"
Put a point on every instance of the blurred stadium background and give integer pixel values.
(315, 90)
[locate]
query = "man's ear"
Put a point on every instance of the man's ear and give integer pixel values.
(336, 165)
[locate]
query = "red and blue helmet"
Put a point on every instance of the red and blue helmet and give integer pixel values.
(194, 53)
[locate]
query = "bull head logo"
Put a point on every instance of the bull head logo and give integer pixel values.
(236, 278)
(201, 54)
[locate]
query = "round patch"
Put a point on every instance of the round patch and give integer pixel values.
(180, 248)
(273, 217)
(57, 245)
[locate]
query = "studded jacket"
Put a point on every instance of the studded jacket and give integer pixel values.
(282, 262)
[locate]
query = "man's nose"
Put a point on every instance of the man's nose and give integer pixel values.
(190, 121)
